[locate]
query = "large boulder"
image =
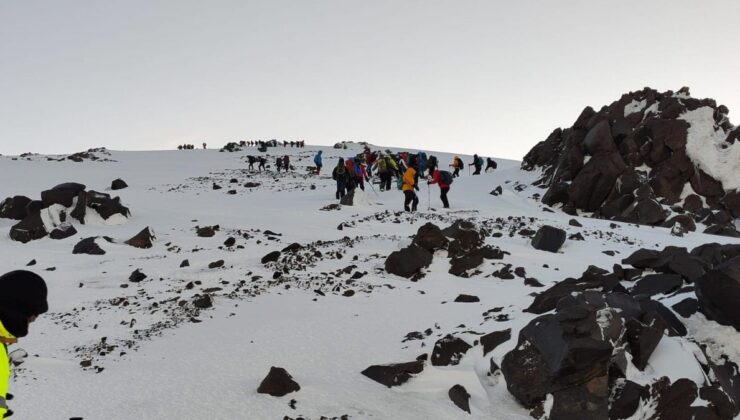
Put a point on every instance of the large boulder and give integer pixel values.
(63, 194)
(408, 261)
(718, 292)
(106, 206)
(30, 228)
(448, 351)
(14, 207)
(430, 237)
(548, 238)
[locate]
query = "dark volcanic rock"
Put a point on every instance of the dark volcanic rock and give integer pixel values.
(142, 239)
(654, 284)
(206, 232)
(65, 230)
(118, 184)
(628, 161)
(88, 246)
(627, 396)
(465, 235)
(271, 257)
(448, 351)
(394, 374)
(467, 299)
(185, 263)
(229, 242)
(278, 383)
(203, 302)
(686, 307)
(14, 207)
(642, 341)
(718, 292)
(63, 194)
(216, 264)
(28, 229)
(460, 397)
(106, 206)
(408, 261)
(492, 340)
(430, 237)
(137, 276)
(548, 238)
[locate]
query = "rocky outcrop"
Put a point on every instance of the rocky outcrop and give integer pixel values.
(594, 331)
(637, 160)
(57, 203)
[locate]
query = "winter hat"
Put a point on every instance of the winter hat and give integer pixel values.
(22, 295)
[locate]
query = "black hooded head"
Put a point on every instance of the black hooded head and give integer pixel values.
(22, 295)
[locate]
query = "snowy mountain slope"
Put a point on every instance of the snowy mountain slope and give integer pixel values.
(146, 351)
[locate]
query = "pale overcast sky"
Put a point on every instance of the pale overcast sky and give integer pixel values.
(492, 77)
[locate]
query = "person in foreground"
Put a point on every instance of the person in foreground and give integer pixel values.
(443, 179)
(22, 299)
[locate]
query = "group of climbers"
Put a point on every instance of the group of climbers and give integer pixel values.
(406, 167)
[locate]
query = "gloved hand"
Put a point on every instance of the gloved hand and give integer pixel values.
(416, 187)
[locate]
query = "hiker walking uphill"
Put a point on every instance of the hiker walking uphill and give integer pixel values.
(409, 185)
(317, 161)
(444, 180)
(263, 162)
(279, 163)
(457, 165)
(22, 299)
(478, 164)
(386, 168)
(251, 160)
(490, 164)
(286, 163)
(341, 176)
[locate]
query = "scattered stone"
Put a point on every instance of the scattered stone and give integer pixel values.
(142, 239)
(118, 184)
(137, 276)
(467, 299)
(460, 397)
(278, 383)
(203, 302)
(394, 374)
(216, 264)
(88, 246)
(65, 230)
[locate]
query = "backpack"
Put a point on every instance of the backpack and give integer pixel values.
(381, 165)
(340, 170)
(445, 177)
(460, 164)
(480, 161)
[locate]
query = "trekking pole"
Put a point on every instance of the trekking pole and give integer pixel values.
(370, 182)
(429, 197)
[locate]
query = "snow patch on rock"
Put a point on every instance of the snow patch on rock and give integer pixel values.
(708, 150)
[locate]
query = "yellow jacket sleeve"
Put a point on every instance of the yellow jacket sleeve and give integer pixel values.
(4, 378)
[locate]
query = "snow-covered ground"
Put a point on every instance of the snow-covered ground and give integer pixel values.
(147, 357)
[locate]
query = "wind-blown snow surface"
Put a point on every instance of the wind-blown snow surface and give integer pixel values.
(210, 369)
